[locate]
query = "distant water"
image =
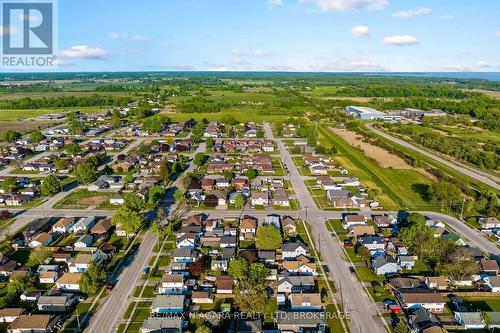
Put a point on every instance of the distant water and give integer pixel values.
(492, 76)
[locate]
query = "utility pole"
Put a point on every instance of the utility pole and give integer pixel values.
(462, 209)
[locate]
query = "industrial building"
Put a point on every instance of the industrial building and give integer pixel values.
(419, 114)
(367, 113)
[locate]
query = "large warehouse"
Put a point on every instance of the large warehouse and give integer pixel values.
(367, 113)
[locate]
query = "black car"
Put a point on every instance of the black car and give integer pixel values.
(352, 269)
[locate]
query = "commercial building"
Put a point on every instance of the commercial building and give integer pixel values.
(367, 113)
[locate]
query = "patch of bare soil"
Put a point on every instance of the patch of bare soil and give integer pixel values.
(380, 155)
(25, 126)
(93, 201)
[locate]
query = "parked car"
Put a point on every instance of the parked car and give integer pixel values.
(145, 270)
(348, 244)
(352, 269)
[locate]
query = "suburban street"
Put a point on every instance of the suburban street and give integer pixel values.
(469, 171)
(363, 312)
(111, 311)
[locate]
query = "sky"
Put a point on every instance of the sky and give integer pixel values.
(278, 35)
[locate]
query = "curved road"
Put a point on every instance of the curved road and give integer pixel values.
(474, 173)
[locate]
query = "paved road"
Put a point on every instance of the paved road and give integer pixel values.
(363, 312)
(110, 313)
(472, 172)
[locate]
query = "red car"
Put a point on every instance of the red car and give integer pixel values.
(348, 244)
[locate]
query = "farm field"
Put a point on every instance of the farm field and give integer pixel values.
(17, 115)
(53, 94)
(397, 188)
(246, 114)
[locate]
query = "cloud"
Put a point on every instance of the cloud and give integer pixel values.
(7, 30)
(84, 52)
(457, 68)
(400, 40)
(140, 38)
(482, 64)
(117, 35)
(183, 67)
(446, 17)
(255, 53)
(273, 3)
(404, 14)
(125, 36)
(360, 31)
(348, 5)
(497, 33)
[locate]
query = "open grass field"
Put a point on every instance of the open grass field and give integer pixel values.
(82, 199)
(25, 126)
(17, 115)
(401, 189)
(446, 170)
(52, 94)
(246, 114)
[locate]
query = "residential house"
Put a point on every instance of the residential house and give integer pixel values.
(362, 230)
(470, 320)
(406, 262)
(228, 241)
(436, 282)
(80, 263)
(303, 321)
(373, 243)
(259, 198)
(292, 250)
(417, 298)
(84, 224)
(84, 242)
(274, 220)
(8, 315)
(295, 283)
(172, 324)
(33, 323)
(351, 220)
(42, 239)
(63, 225)
(202, 297)
(299, 267)
(289, 226)
(281, 198)
(168, 304)
(69, 282)
(172, 284)
(489, 222)
(305, 302)
(102, 227)
(224, 284)
(56, 302)
(248, 228)
(383, 265)
(186, 255)
(489, 267)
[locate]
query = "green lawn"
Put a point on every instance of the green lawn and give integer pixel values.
(82, 199)
(398, 189)
(484, 303)
(12, 115)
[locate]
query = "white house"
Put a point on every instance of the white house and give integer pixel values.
(293, 250)
(84, 224)
(84, 242)
(69, 282)
(42, 239)
(172, 284)
(63, 225)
